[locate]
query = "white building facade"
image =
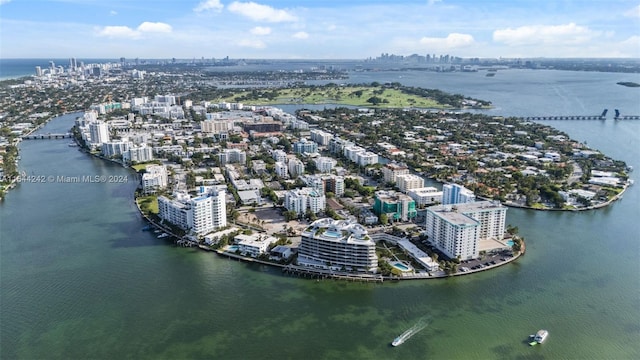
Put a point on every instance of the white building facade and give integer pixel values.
(337, 244)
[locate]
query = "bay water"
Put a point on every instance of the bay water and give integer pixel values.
(80, 279)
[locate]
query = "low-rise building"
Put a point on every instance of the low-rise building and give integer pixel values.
(397, 206)
(253, 245)
(425, 196)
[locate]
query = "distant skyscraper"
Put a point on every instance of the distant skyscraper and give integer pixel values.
(38, 71)
(122, 61)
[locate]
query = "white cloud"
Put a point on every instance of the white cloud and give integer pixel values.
(258, 12)
(300, 35)
(129, 33)
(453, 40)
(154, 27)
(433, 2)
(633, 13)
(209, 5)
(113, 13)
(4, 1)
(261, 30)
(544, 34)
(119, 32)
(254, 44)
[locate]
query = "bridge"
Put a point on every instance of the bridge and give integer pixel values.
(47, 136)
(602, 116)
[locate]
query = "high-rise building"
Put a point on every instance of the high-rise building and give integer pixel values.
(38, 71)
(338, 245)
(457, 229)
(296, 168)
(456, 194)
(138, 154)
(99, 132)
(200, 215)
(301, 200)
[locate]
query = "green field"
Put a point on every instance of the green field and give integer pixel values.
(148, 204)
(342, 95)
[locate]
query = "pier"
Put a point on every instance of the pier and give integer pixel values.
(47, 136)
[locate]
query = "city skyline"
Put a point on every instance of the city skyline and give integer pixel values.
(330, 29)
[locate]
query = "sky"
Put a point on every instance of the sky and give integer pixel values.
(319, 29)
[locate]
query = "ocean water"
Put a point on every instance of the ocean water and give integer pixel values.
(80, 279)
(16, 68)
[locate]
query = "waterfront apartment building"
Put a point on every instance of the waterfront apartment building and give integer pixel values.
(155, 178)
(338, 245)
(98, 132)
(392, 170)
(301, 200)
(366, 158)
(138, 154)
(337, 145)
(457, 229)
(397, 206)
(406, 182)
(456, 194)
(425, 196)
(200, 215)
(115, 148)
(253, 245)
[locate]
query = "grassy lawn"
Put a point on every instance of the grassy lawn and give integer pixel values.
(343, 95)
(148, 204)
(139, 167)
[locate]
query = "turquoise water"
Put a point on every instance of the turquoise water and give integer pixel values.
(333, 234)
(400, 266)
(510, 242)
(80, 280)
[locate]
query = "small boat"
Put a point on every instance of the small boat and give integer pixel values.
(539, 337)
(422, 323)
(72, 144)
(163, 235)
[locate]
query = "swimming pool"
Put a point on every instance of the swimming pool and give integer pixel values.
(332, 234)
(232, 248)
(510, 242)
(401, 266)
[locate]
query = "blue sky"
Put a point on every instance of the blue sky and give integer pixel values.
(320, 29)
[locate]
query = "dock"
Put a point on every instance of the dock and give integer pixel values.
(320, 274)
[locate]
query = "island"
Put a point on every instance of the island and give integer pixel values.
(224, 169)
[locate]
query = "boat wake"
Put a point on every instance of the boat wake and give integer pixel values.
(421, 324)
